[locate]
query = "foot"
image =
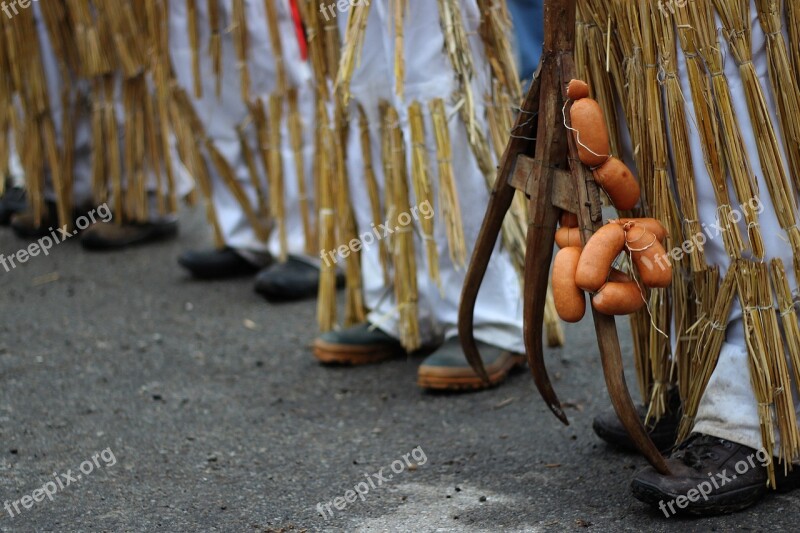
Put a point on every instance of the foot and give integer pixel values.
(709, 476)
(104, 236)
(357, 345)
(13, 201)
(217, 264)
(663, 433)
(295, 279)
(447, 368)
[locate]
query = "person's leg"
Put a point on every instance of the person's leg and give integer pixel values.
(726, 434)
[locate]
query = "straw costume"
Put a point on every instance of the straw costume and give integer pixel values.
(87, 102)
(246, 130)
(707, 94)
(423, 97)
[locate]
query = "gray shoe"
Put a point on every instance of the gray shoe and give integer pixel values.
(361, 344)
(447, 368)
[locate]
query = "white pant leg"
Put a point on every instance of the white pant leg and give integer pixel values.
(429, 75)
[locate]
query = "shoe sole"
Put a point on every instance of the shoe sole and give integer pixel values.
(444, 382)
(712, 506)
(352, 355)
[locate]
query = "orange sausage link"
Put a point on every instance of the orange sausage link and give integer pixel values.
(569, 299)
(577, 89)
(591, 137)
(618, 298)
(598, 255)
(650, 224)
(649, 257)
(617, 180)
(568, 220)
(568, 237)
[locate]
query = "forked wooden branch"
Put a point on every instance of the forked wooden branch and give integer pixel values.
(548, 170)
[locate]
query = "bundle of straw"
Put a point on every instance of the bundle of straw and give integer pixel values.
(459, 51)
(793, 25)
(678, 128)
(784, 401)
(736, 21)
(351, 51)
(371, 182)
(215, 43)
(269, 152)
(494, 27)
(326, 300)
(399, 8)
(597, 53)
(739, 166)
(448, 194)
(710, 330)
(276, 45)
(295, 124)
(708, 126)
(423, 186)
(347, 229)
(405, 265)
(194, 42)
(242, 45)
(756, 299)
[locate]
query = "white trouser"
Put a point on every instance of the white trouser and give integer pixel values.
(429, 75)
(729, 408)
(220, 116)
(82, 153)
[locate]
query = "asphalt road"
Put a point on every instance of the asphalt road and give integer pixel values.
(197, 406)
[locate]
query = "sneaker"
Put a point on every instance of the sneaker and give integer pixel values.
(709, 476)
(664, 433)
(361, 344)
(447, 368)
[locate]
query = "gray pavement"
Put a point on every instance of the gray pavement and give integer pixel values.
(199, 408)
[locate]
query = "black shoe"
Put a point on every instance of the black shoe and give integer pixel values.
(110, 236)
(216, 264)
(709, 476)
(295, 279)
(664, 433)
(25, 227)
(13, 201)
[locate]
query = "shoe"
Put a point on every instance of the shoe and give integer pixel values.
(361, 344)
(295, 279)
(447, 368)
(216, 264)
(105, 236)
(709, 476)
(13, 201)
(664, 433)
(24, 224)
